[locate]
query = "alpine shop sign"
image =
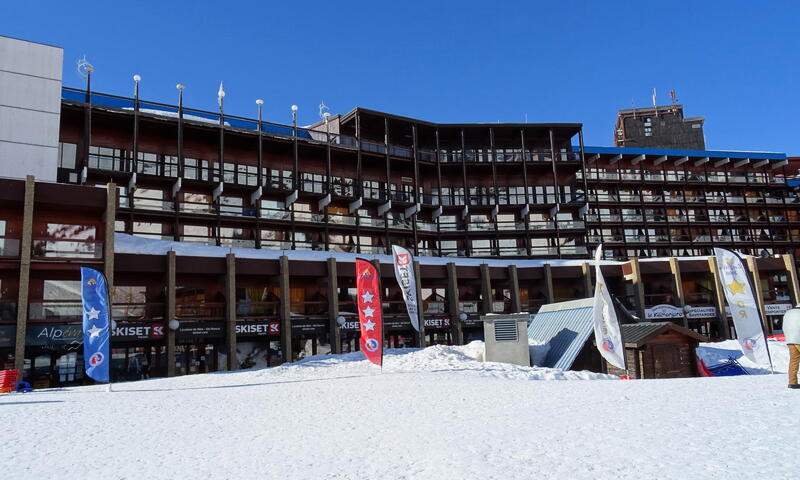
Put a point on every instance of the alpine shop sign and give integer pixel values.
(669, 312)
(126, 331)
(776, 309)
(258, 329)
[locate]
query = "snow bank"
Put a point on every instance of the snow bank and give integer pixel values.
(714, 353)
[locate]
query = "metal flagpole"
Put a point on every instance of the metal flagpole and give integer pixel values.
(758, 309)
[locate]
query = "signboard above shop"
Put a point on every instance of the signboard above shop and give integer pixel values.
(671, 312)
(258, 329)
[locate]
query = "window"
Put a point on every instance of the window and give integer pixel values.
(66, 155)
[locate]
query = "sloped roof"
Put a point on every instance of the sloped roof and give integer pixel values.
(566, 326)
(636, 334)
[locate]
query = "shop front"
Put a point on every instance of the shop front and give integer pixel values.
(54, 355)
(138, 351)
(310, 337)
(258, 343)
(200, 347)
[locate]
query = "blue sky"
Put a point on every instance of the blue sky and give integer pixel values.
(734, 62)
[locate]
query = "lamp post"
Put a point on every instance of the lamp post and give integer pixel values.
(136, 79)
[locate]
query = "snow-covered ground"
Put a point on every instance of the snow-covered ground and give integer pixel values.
(432, 413)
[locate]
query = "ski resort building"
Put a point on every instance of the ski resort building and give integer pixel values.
(222, 233)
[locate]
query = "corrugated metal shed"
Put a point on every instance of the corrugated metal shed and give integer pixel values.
(566, 326)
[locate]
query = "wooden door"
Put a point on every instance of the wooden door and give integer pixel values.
(667, 361)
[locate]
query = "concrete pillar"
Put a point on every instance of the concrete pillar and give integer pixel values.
(230, 311)
(421, 342)
(638, 286)
(513, 287)
(791, 270)
(454, 308)
(486, 290)
(110, 217)
(677, 287)
(333, 307)
(586, 270)
(170, 313)
(286, 313)
(24, 273)
(548, 283)
(719, 299)
(759, 294)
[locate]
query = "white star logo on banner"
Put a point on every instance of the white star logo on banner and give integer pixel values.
(369, 325)
(93, 314)
(366, 297)
(368, 312)
(94, 331)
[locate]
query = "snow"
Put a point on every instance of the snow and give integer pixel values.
(432, 413)
(719, 352)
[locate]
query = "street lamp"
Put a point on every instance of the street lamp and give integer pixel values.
(174, 324)
(462, 316)
(340, 320)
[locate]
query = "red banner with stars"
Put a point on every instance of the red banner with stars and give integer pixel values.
(369, 311)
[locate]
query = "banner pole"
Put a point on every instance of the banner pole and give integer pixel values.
(758, 310)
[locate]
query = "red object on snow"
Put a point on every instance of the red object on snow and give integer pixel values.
(702, 369)
(369, 311)
(8, 380)
(780, 338)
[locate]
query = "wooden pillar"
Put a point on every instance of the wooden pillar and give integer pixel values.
(486, 290)
(548, 283)
(453, 305)
(170, 313)
(108, 242)
(24, 273)
(230, 311)
(677, 287)
(759, 294)
(513, 287)
(719, 299)
(586, 270)
(333, 307)
(791, 270)
(286, 313)
(421, 343)
(638, 287)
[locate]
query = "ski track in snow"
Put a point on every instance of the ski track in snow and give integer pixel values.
(432, 413)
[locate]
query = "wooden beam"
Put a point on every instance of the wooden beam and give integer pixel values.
(753, 266)
(586, 270)
(421, 341)
(548, 283)
(614, 159)
(677, 287)
(169, 314)
(741, 162)
(681, 161)
(513, 287)
(719, 299)
(658, 161)
(638, 286)
(230, 311)
(110, 217)
(760, 163)
(722, 162)
(791, 270)
(454, 307)
(333, 307)
(486, 291)
(779, 164)
(638, 159)
(24, 273)
(593, 158)
(285, 310)
(702, 161)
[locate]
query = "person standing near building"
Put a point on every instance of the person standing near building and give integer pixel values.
(791, 329)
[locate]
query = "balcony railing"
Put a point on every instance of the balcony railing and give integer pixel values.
(137, 311)
(209, 310)
(55, 310)
(49, 248)
(275, 214)
(248, 309)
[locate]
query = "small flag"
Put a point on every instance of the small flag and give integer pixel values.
(607, 334)
(744, 309)
(96, 324)
(404, 273)
(369, 311)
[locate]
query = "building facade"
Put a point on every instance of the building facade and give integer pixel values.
(659, 127)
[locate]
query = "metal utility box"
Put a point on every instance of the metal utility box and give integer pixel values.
(506, 338)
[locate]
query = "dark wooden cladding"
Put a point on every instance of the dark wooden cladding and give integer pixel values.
(136, 263)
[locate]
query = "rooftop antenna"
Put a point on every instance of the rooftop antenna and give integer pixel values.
(674, 96)
(323, 109)
(633, 107)
(654, 102)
